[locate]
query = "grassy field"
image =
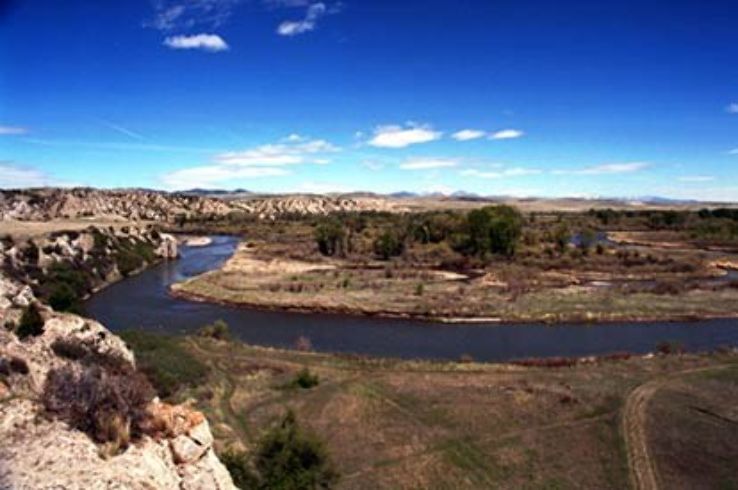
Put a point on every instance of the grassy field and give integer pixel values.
(400, 424)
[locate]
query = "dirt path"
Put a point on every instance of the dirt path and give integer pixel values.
(643, 472)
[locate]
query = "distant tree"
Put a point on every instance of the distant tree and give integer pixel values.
(587, 239)
(561, 237)
(330, 235)
(492, 229)
(388, 244)
(218, 330)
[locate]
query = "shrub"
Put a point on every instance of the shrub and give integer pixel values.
(387, 245)
(419, 289)
(109, 407)
(14, 365)
(31, 323)
(669, 347)
(304, 379)
(492, 229)
(288, 458)
(330, 235)
(218, 330)
(239, 466)
(167, 365)
(82, 351)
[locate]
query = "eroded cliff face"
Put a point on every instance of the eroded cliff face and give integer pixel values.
(83, 261)
(40, 451)
(134, 204)
(141, 205)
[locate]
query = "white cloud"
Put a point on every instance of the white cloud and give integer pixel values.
(216, 174)
(506, 134)
(306, 24)
(172, 15)
(205, 42)
(696, 178)
(14, 177)
(734, 151)
(467, 134)
(373, 165)
(393, 136)
(290, 152)
(607, 168)
(732, 108)
(258, 162)
(428, 163)
(509, 172)
(8, 130)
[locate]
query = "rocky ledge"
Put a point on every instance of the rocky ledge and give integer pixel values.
(41, 450)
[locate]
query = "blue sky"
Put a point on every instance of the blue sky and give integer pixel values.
(530, 98)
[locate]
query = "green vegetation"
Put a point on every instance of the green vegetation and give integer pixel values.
(64, 286)
(31, 323)
(304, 379)
(132, 256)
(289, 458)
(285, 458)
(218, 330)
(169, 367)
(388, 244)
(330, 236)
(491, 230)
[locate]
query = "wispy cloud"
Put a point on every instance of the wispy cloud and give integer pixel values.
(308, 23)
(507, 134)
(468, 134)
(269, 160)
(500, 174)
(732, 108)
(607, 168)
(394, 136)
(208, 175)
(122, 130)
(292, 150)
(13, 176)
(184, 15)
(428, 163)
(696, 178)
(205, 42)
(11, 130)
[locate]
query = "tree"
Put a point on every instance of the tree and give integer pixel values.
(492, 229)
(388, 244)
(288, 458)
(330, 235)
(31, 323)
(587, 239)
(561, 237)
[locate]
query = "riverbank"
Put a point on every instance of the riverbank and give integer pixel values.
(256, 278)
(474, 425)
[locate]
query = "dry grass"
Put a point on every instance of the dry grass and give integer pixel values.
(396, 424)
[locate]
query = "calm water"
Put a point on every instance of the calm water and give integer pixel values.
(143, 302)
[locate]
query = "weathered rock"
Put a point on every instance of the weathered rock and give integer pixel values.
(38, 452)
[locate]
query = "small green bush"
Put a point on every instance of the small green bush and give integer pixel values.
(304, 379)
(240, 467)
(164, 361)
(288, 458)
(218, 330)
(31, 323)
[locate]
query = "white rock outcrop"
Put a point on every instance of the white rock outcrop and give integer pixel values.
(40, 452)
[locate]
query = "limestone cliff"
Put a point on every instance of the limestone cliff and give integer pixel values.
(40, 451)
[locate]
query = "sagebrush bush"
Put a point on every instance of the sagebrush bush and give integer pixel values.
(218, 330)
(108, 406)
(31, 323)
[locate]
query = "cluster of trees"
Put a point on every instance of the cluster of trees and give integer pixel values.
(492, 230)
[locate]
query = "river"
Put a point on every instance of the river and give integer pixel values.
(143, 301)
